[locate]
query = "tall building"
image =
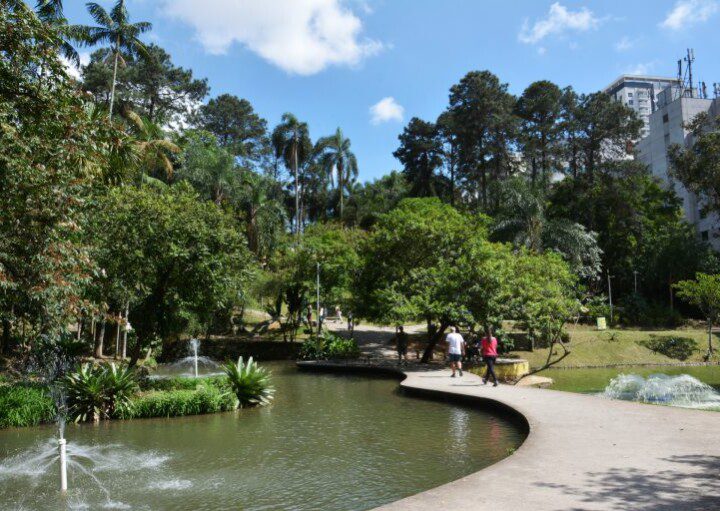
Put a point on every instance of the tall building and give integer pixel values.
(675, 108)
(641, 94)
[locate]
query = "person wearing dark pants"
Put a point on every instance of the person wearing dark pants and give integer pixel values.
(489, 354)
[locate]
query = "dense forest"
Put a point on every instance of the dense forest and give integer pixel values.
(132, 195)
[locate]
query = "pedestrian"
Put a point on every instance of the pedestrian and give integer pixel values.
(401, 344)
(350, 322)
(338, 313)
(308, 316)
(322, 316)
(489, 354)
(456, 350)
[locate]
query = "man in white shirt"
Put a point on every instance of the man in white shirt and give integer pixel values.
(456, 350)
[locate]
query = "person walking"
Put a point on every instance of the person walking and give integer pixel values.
(350, 323)
(488, 349)
(401, 345)
(456, 350)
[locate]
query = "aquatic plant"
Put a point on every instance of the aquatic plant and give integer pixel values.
(175, 403)
(25, 405)
(96, 392)
(250, 382)
(329, 346)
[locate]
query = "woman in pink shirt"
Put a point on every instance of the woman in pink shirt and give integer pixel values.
(488, 350)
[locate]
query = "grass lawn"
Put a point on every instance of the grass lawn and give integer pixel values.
(590, 347)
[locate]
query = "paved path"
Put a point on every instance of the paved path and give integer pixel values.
(583, 453)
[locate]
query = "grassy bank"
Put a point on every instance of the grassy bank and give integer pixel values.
(592, 348)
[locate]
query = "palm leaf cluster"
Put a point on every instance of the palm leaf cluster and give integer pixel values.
(97, 392)
(250, 382)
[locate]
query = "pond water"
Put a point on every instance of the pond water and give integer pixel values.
(688, 387)
(328, 442)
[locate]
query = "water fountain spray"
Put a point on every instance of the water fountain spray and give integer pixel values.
(195, 344)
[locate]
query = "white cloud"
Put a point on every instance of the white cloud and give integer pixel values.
(385, 110)
(72, 70)
(643, 68)
(625, 44)
(299, 36)
(541, 50)
(689, 12)
(558, 21)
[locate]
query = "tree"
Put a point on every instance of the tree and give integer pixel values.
(703, 293)
(50, 153)
(50, 12)
(335, 156)
(291, 141)
(698, 166)
(413, 266)
(483, 117)
(237, 127)
(369, 201)
(420, 152)
(539, 109)
(523, 220)
(170, 255)
(154, 148)
(115, 29)
(448, 134)
(208, 167)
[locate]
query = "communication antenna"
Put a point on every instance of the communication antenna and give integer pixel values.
(689, 59)
(716, 89)
(704, 90)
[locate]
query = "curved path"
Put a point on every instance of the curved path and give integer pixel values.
(582, 453)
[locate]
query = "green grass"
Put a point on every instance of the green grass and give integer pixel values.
(617, 346)
(25, 405)
(176, 403)
(183, 383)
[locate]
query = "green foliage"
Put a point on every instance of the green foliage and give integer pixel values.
(97, 392)
(369, 201)
(335, 157)
(680, 348)
(249, 382)
(180, 257)
(329, 347)
(420, 152)
(636, 311)
(25, 405)
(175, 403)
(183, 383)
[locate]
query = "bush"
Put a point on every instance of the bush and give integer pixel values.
(176, 403)
(637, 311)
(250, 382)
(680, 348)
(329, 346)
(96, 392)
(183, 383)
(25, 405)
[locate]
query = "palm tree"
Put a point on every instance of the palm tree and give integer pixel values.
(50, 12)
(152, 145)
(115, 29)
(337, 158)
(291, 141)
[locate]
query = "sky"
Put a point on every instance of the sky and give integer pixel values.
(369, 66)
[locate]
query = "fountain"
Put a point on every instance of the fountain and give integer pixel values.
(683, 391)
(194, 364)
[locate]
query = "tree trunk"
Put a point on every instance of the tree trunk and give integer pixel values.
(297, 188)
(100, 340)
(125, 330)
(432, 342)
(117, 336)
(340, 188)
(112, 89)
(710, 343)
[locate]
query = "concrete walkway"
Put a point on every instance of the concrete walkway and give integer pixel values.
(582, 453)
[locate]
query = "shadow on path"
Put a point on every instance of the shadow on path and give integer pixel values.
(694, 484)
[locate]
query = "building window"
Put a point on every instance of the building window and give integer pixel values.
(666, 119)
(630, 102)
(705, 235)
(630, 94)
(701, 213)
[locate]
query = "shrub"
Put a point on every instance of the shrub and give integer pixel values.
(176, 403)
(183, 383)
(639, 312)
(680, 348)
(25, 405)
(329, 346)
(95, 392)
(250, 382)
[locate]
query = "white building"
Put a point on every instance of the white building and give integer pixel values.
(675, 108)
(640, 93)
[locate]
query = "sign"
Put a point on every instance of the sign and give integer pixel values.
(601, 323)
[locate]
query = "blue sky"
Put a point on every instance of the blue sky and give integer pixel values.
(330, 61)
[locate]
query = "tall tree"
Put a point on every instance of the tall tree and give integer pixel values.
(237, 127)
(114, 28)
(51, 13)
(539, 109)
(291, 141)
(447, 131)
(698, 166)
(485, 124)
(336, 158)
(420, 152)
(704, 293)
(209, 167)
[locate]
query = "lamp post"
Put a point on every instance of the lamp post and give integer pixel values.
(609, 277)
(317, 297)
